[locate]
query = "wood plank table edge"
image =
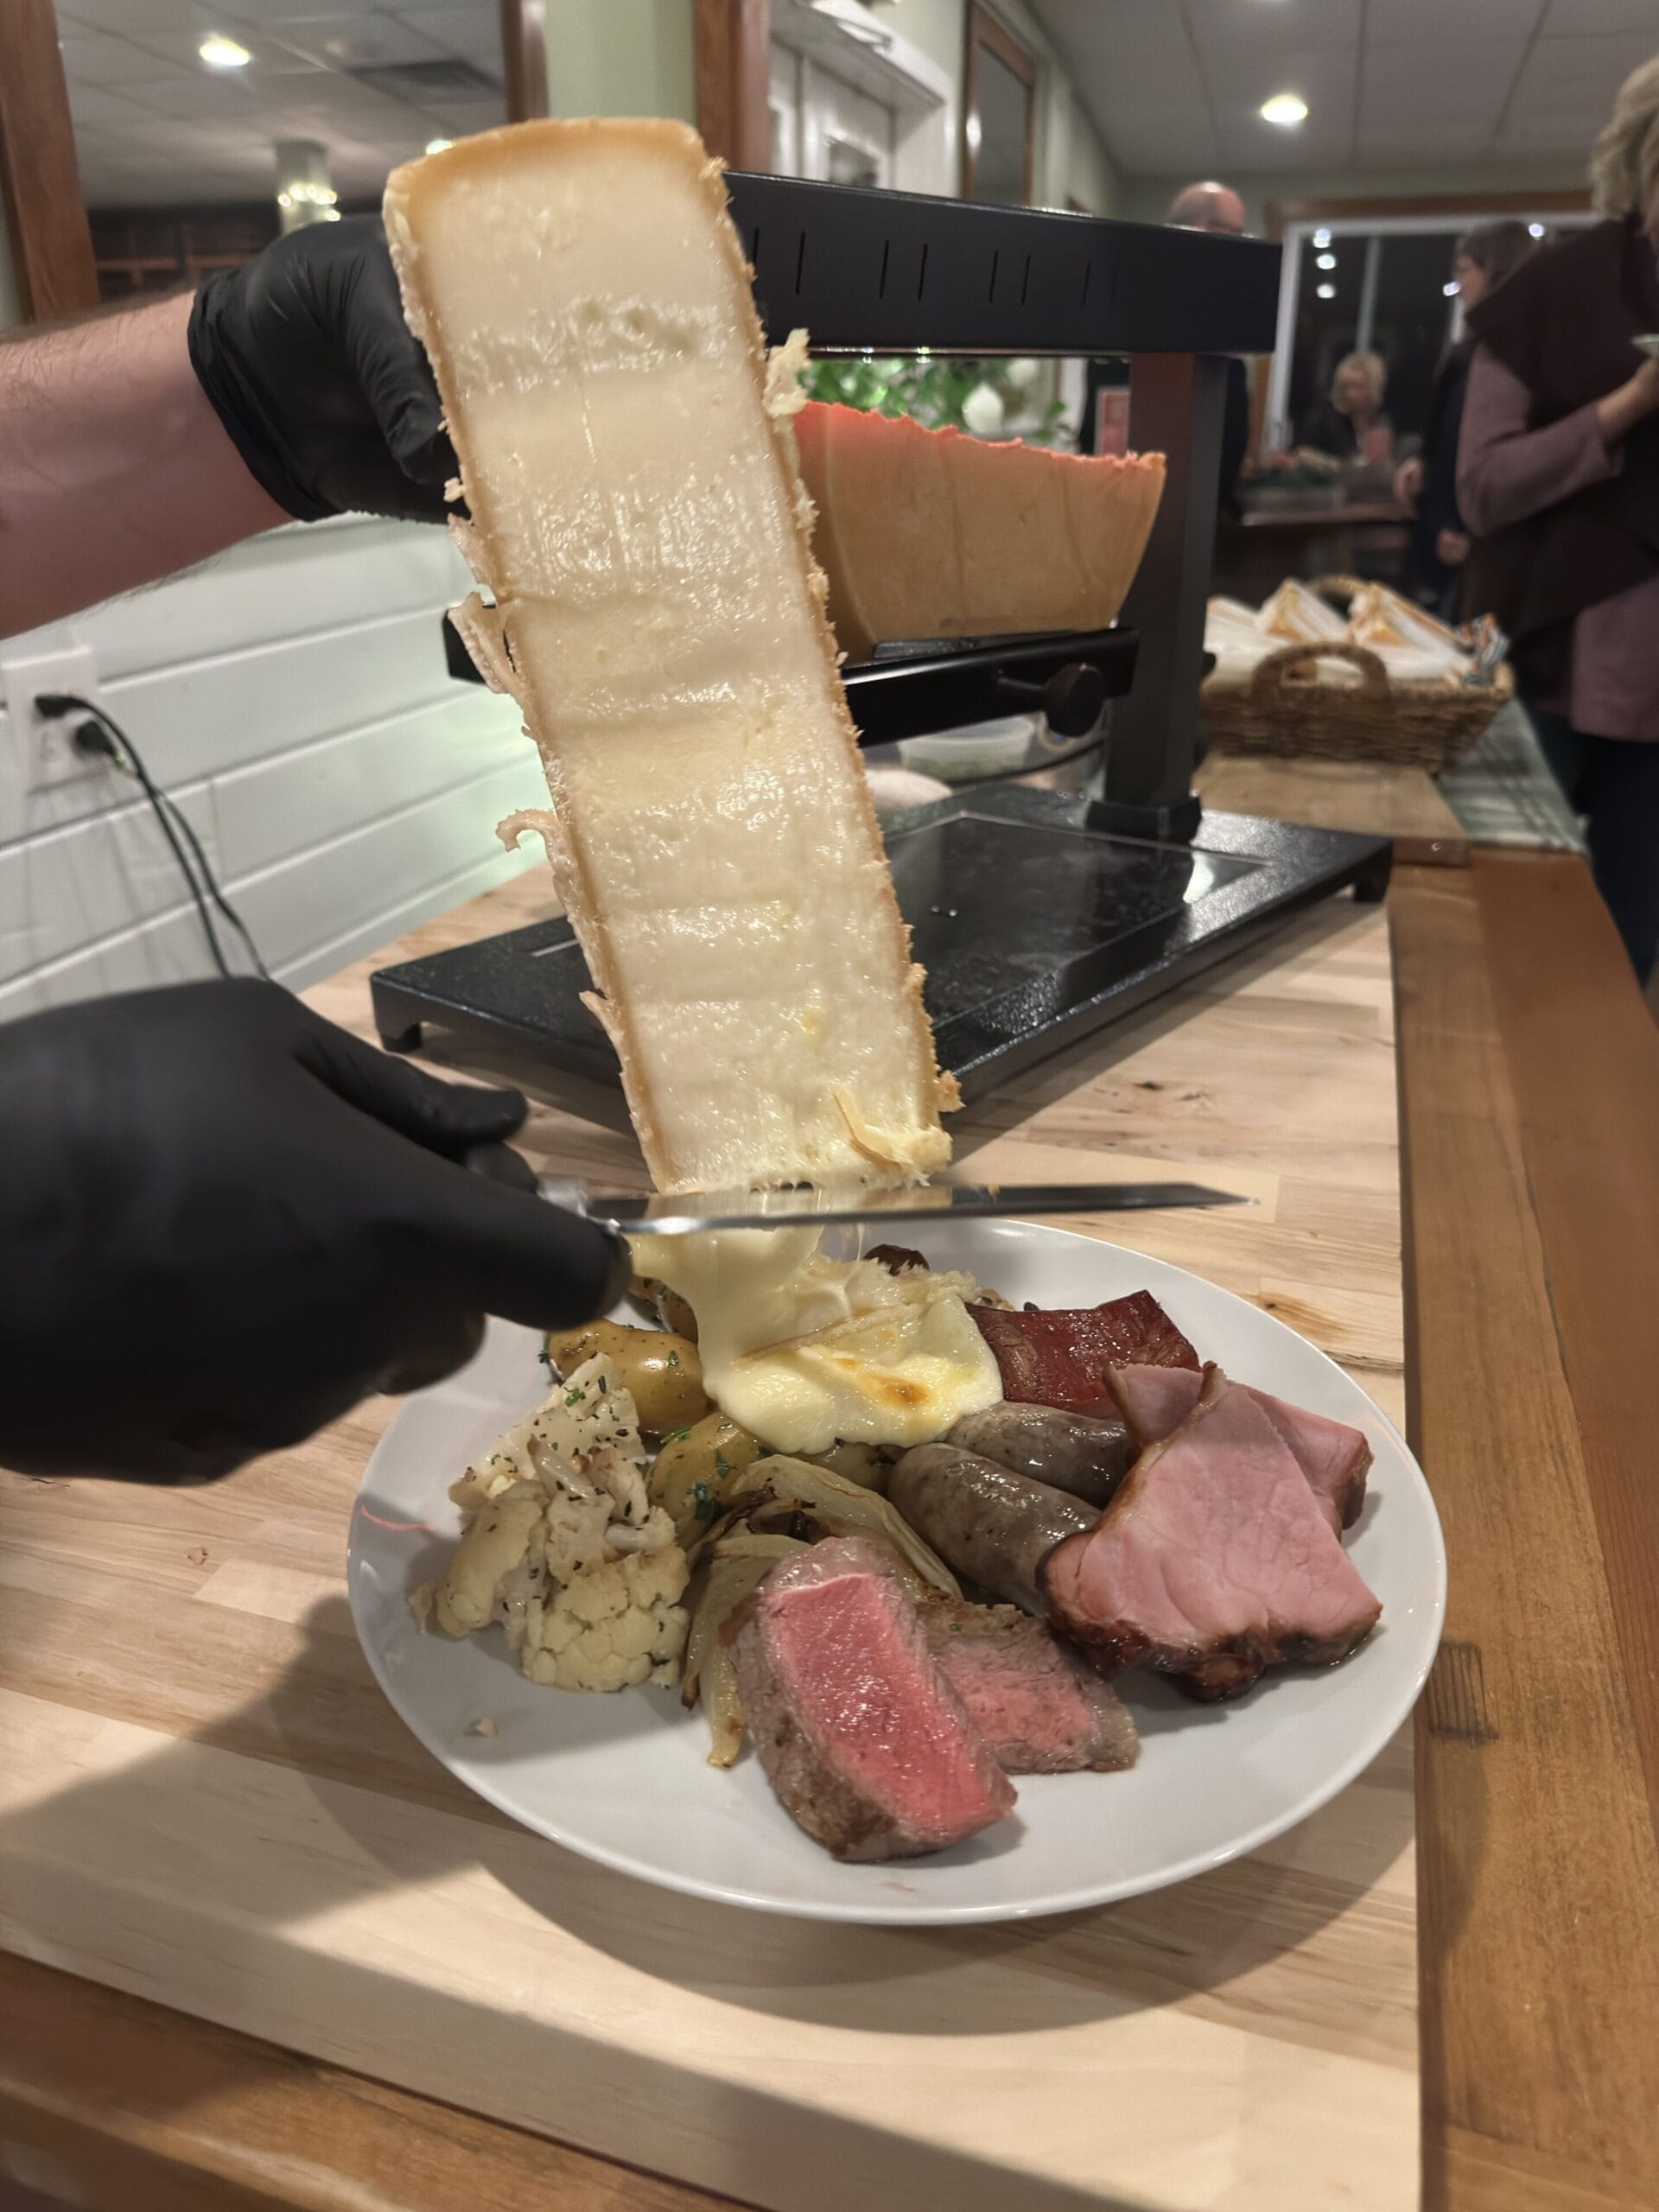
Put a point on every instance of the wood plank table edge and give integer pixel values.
(114, 2104)
(1538, 1874)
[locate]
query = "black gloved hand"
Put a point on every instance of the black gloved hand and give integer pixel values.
(310, 366)
(223, 1221)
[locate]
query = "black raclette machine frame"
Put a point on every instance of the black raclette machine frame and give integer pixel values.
(887, 272)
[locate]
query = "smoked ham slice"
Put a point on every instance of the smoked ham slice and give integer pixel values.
(1214, 1561)
(933, 534)
(638, 521)
(1334, 1458)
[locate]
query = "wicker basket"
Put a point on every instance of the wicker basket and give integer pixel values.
(1267, 709)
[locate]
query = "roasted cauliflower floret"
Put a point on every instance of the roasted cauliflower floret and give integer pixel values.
(619, 1624)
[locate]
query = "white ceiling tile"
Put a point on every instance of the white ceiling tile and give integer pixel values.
(1387, 147)
(1525, 137)
(95, 58)
(472, 31)
(1324, 78)
(93, 104)
(201, 98)
(365, 40)
(1231, 26)
(1479, 74)
(179, 50)
(1424, 23)
(143, 18)
(1105, 37)
(1580, 18)
(1598, 65)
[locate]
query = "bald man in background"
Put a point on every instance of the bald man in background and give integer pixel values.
(1204, 206)
(1208, 207)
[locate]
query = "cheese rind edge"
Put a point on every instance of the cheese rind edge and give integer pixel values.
(843, 1135)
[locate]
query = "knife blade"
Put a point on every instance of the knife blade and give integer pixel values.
(684, 1213)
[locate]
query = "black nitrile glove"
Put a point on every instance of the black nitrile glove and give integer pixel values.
(311, 368)
(223, 1221)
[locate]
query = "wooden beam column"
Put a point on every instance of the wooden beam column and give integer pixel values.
(733, 47)
(40, 179)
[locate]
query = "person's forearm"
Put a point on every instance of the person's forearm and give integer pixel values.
(114, 469)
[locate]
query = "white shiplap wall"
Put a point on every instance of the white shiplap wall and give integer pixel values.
(293, 697)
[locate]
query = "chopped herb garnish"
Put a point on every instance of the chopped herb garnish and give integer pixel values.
(706, 1504)
(677, 1436)
(673, 1359)
(574, 1397)
(723, 1465)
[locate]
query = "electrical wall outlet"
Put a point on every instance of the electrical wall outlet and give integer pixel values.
(46, 745)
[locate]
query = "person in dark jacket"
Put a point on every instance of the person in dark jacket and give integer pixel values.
(1428, 482)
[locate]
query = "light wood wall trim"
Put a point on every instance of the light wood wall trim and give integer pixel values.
(734, 60)
(40, 179)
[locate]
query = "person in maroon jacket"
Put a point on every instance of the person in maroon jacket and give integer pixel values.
(1558, 479)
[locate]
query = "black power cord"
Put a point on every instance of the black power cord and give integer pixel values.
(101, 734)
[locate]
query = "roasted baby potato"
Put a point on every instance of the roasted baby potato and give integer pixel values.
(868, 1463)
(695, 1470)
(661, 1372)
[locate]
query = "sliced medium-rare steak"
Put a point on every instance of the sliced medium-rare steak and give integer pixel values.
(1335, 1457)
(1061, 1357)
(1214, 1561)
(1040, 1708)
(861, 1736)
(993, 1527)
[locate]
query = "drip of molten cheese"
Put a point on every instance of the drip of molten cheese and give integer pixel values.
(636, 517)
(805, 1352)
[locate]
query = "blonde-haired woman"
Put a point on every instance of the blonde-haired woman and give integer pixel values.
(1351, 423)
(1558, 479)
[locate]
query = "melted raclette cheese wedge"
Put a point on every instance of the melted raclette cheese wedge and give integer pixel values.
(638, 518)
(805, 1352)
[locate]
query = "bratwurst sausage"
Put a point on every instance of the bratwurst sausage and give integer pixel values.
(1078, 1453)
(994, 1527)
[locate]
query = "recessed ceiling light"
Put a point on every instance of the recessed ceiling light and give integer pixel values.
(439, 145)
(1286, 110)
(1327, 260)
(1321, 238)
(1535, 230)
(220, 53)
(1327, 291)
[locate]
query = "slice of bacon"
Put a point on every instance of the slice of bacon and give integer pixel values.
(1064, 1356)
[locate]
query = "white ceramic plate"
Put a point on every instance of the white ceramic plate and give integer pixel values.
(624, 1779)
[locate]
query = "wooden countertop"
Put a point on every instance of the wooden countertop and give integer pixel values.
(205, 1803)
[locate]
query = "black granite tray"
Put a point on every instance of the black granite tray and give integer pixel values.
(1035, 926)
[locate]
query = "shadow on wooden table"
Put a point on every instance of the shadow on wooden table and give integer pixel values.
(325, 1726)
